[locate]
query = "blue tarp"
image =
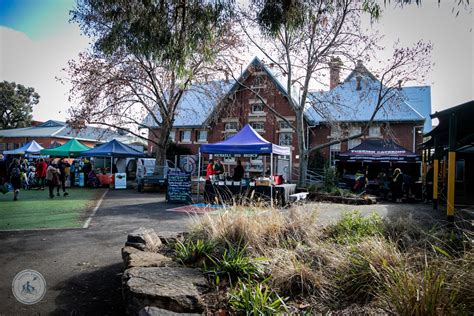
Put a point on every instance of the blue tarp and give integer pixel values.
(29, 148)
(114, 148)
(246, 141)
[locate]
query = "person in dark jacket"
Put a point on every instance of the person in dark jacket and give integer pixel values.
(62, 165)
(14, 174)
(238, 171)
(397, 185)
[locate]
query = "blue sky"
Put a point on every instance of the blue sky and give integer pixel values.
(37, 40)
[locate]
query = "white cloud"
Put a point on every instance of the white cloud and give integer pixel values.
(37, 63)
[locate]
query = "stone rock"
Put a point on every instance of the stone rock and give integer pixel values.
(148, 259)
(127, 251)
(177, 289)
(144, 239)
(155, 311)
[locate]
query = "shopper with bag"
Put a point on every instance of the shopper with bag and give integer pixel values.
(52, 178)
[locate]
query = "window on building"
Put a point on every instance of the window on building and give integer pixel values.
(172, 135)
(352, 132)
(230, 126)
(202, 136)
(257, 108)
(374, 132)
(284, 125)
(334, 151)
(258, 82)
(186, 136)
(258, 126)
(228, 135)
(285, 139)
(2, 147)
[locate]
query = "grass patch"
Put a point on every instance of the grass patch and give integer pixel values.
(358, 265)
(35, 209)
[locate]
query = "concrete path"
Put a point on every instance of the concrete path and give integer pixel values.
(82, 267)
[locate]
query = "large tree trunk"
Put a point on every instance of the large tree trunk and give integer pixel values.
(301, 149)
(160, 155)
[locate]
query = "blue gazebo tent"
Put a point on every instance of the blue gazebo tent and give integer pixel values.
(29, 148)
(114, 148)
(246, 141)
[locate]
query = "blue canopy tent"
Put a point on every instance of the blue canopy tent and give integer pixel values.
(246, 141)
(28, 148)
(112, 149)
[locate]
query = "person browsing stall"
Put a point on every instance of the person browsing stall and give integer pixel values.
(238, 171)
(210, 169)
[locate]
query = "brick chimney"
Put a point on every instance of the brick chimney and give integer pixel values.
(334, 72)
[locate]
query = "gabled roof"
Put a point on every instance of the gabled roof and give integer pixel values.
(60, 129)
(208, 96)
(346, 103)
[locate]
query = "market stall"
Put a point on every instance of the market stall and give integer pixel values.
(72, 148)
(31, 148)
(114, 149)
(376, 159)
(247, 141)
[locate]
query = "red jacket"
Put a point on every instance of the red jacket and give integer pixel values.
(209, 171)
(41, 168)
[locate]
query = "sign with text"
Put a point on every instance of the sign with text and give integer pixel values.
(179, 187)
(120, 181)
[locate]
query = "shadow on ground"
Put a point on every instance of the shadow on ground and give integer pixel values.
(92, 293)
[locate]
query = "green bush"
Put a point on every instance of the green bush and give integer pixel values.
(191, 252)
(256, 299)
(235, 264)
(353, 227)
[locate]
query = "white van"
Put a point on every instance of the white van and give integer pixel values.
(146, 167)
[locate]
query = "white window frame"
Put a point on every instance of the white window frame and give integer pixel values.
(228, 126)
(285, 142)
(200, 132)
(376, 129)
(257, 104)
(228, 135)
(262, 123)
(284, 126)
(181, 136)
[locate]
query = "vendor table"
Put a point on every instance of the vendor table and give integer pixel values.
(226, 193)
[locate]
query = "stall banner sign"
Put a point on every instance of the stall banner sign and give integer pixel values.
(120, 180)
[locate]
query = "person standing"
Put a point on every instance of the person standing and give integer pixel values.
(218, 167)
(210, 169)
(51, 178)
(238, 171)
(41, 167)
(62, 166)
(14, 173)
(397, 183)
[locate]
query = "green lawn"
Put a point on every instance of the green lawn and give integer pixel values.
(34, 209)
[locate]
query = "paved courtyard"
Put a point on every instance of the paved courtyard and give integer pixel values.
(83, 267)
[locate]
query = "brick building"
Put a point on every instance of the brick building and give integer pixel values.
(216, 110)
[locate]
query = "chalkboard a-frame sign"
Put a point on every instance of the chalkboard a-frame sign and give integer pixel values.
(179, 187)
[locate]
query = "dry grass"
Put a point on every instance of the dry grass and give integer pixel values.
(396, 265)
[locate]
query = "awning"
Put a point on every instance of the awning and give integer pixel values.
(29, 148)
(246, 141)
(114, 148)
(72, 148)
(378, 150)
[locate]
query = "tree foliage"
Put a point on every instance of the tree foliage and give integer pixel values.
(16, 104)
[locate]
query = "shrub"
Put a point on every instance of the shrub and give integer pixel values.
(256, 299)
(353, 227)
(235, 264)
(291, 275)
(427, 292)
(359, 277)
(190, 252)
